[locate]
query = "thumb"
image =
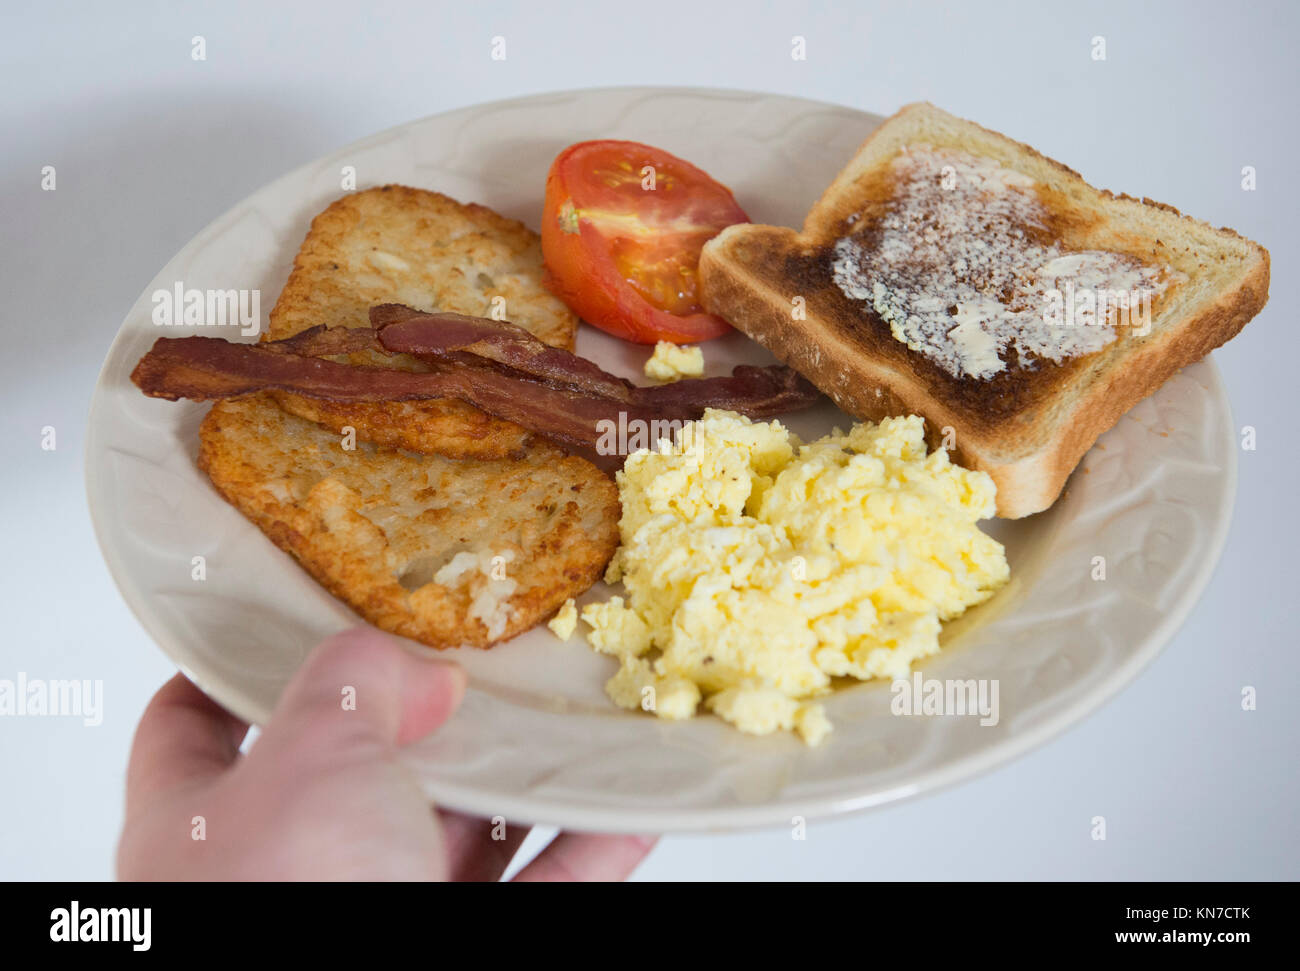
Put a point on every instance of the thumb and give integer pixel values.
(361, 689)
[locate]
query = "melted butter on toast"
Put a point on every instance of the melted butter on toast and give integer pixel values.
(962, 267)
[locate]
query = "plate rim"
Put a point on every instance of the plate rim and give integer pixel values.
(543, 810)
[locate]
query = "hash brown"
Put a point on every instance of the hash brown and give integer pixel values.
(447, 552)
(397, 244)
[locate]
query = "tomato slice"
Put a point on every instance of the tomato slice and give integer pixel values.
(622, 231)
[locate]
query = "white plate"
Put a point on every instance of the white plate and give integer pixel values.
(536, 739)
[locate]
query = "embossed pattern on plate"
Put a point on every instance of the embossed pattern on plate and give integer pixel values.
(536, 740)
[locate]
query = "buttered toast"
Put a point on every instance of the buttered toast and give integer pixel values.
(951, 272)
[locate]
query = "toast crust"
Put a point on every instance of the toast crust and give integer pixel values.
(1026, 427)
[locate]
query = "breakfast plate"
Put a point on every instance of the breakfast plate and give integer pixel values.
(1100, 581)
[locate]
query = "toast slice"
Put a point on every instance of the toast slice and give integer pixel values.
(444, 551)
(946, 273)
(401, 245)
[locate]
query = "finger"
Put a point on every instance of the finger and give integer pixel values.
(362, 690)
(183, 737)
(480, 849)
(587, 857)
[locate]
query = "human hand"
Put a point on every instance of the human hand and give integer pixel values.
(321, 795)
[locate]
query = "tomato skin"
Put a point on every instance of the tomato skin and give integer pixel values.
(581, 271)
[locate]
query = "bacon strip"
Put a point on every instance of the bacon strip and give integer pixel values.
(454, 337)
(207, 368)
(322, 341)
(451, 337)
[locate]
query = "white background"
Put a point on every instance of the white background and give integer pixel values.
(150, 145)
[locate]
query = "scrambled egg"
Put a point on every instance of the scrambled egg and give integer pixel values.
(758, 568)
(670, 362)
(565, 620)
